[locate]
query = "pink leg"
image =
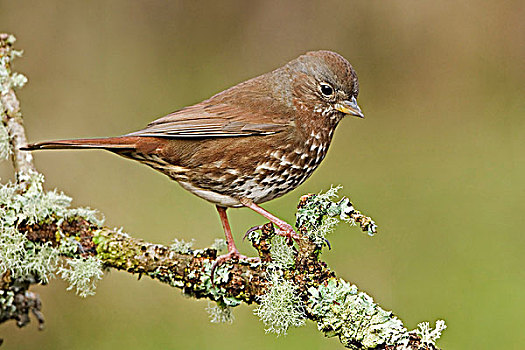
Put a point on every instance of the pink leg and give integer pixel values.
(232, 249)
(284, 228)
(233, 252)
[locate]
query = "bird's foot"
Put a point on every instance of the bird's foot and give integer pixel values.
(286, 230)
(283, 229)
(232, 255)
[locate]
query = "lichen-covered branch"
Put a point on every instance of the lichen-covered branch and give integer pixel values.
(11, 115)
(42, 237)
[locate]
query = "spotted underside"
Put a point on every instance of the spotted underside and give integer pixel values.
(259, 173)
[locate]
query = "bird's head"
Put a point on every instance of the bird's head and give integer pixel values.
(325, 83)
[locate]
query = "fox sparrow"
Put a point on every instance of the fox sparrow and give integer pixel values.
(250, 143)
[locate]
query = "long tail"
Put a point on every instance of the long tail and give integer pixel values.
(108, 143)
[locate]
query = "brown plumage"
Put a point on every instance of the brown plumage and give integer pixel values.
(250, 143)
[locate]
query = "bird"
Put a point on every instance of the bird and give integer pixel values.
(248, 144)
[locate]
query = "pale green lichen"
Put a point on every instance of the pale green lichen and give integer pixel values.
(283, 255)
(341, 310)
(29, 260)
(36, 205)
(319, 214)
(219, 312)
(221, 276)
(203, 285)
(428, 335)
(82, 274)
(69, 246)
(25, 259)
(181, 246)
(280, 308)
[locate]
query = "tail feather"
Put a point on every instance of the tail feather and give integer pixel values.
(108, 143)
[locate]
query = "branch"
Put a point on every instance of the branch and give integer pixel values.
(42, 237)
(10, 111)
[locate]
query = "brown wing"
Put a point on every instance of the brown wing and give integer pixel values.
(249, 108)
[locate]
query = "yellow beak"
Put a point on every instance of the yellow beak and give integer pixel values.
(350, 107)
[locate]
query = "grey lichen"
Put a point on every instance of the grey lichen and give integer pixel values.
(219, 312)
(428, 335)
(26, 259)
(222, 309)
(181, 246)
(40, 261)
(82, 274)
(281, 307)
(202, 284)
(318, 214)
(222, 275)
(341, 310)
(35, 205)
(283, 255)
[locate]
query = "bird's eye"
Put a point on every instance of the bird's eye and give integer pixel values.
(326, 89)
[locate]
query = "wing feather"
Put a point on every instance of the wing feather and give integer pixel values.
(239, 111)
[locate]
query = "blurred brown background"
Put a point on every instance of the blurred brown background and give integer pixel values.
(438, 161)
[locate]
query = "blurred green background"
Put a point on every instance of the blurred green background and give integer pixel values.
(438, 162)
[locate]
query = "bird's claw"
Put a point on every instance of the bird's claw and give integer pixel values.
(328, 244)
(251, 230)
